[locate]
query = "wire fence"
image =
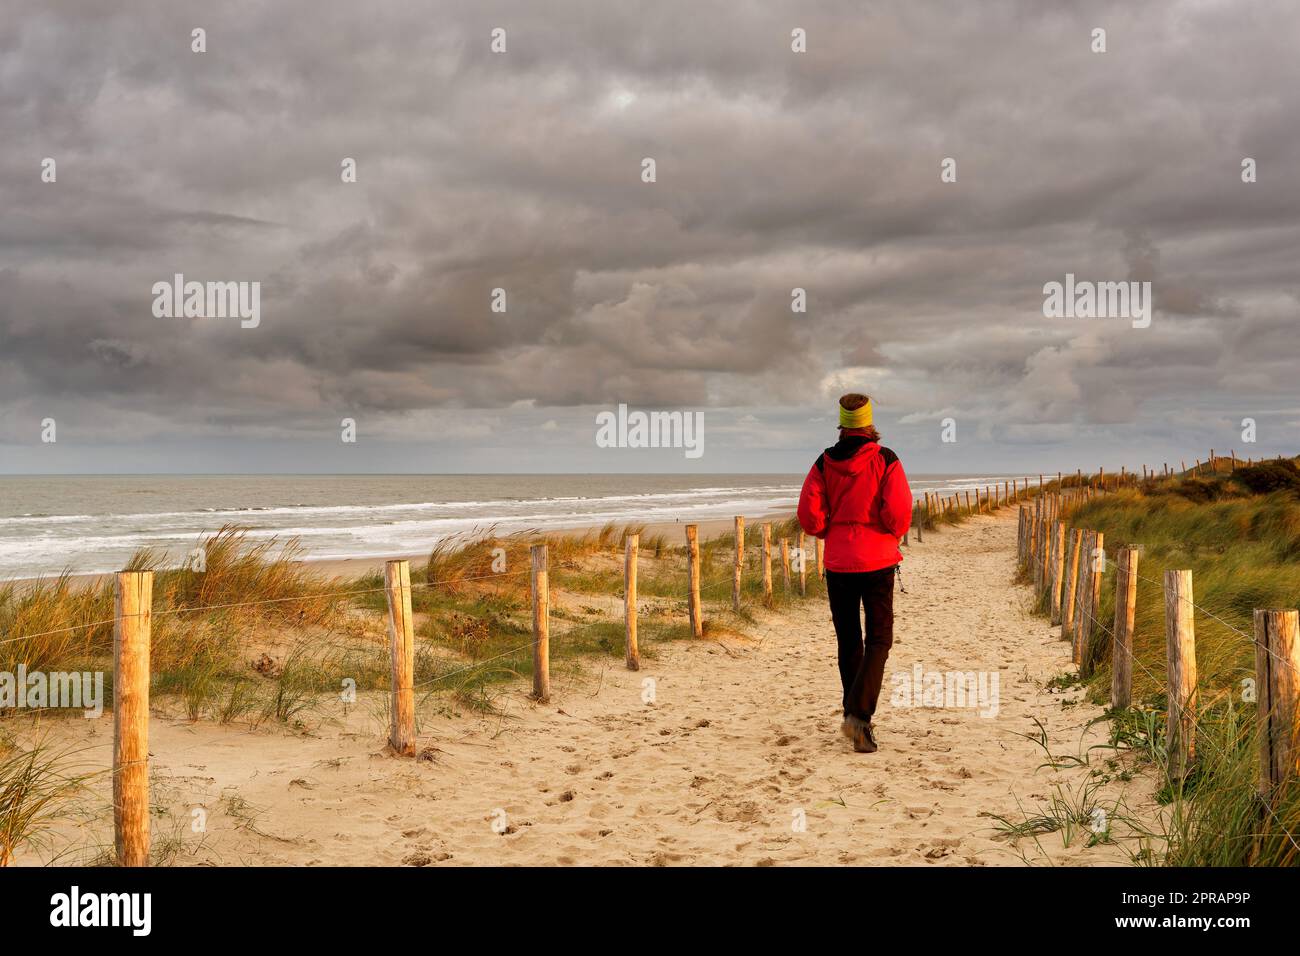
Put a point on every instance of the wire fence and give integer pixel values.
(130, 820)
(1040, 565)
(1199, 727)
(1054, 585)
(320, 642)
(793, 578)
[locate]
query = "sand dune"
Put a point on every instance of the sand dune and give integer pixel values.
(739, 745)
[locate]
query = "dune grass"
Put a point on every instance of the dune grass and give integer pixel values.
(250, 635)
(35, 786)
(62, 620)
(473, 598)
(204, 616)
(1238, 531)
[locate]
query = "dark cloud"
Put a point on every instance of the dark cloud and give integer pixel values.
(521, 172)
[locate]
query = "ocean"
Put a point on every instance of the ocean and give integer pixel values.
(93, 524)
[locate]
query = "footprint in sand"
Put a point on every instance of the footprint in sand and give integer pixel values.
(886, 851)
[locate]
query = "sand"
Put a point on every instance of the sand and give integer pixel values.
(738, 748)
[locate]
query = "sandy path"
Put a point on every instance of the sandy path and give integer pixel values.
(740, 743)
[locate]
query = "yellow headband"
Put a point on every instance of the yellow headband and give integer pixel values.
(858, 418)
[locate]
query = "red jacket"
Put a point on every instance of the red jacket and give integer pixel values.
(856, 497)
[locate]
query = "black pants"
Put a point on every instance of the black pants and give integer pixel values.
(862, 655)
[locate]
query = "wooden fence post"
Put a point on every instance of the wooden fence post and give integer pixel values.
(803, 566)
(1032, 544)
(820, 547)
(785, 564)
(1029, 537)
(633, 546)
(401, 642)
(1040, 559)
(1081, 621)
(737, 573)
(1058, 571)
(1277, 679)
(1049, 557)
(693, 566)
(1121, 652)
(1081, 594)
(1071, 585)
(1020, 539)
(541, 580)
(1045, 549)
(767, 562)
(132, 629)
(1027, 544)
(1180, 641)
(1098, 567)
(1092, 601)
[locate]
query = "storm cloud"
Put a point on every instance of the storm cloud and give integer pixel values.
(522, 171)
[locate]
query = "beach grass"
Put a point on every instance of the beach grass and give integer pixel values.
(1237, 528)
(35, 786)
(250, 633)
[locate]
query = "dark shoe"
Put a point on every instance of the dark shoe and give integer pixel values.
(867, 745)
(860, 732)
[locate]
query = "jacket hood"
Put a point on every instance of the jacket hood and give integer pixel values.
(851, 454)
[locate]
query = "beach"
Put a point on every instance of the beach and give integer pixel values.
(723, 750)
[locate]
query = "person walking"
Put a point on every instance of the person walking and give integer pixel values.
(856, 498)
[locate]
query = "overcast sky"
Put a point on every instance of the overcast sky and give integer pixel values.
(523, 171)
